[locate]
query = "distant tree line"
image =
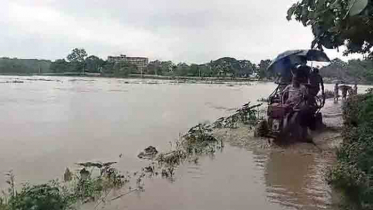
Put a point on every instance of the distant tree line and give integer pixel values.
(23, 66)
(355, 70)
(79, 62)
(223, 67)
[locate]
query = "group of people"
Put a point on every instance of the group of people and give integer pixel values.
(305, 85)
(301, 95)
(344, 89)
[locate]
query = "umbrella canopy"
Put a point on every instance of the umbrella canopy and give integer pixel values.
(344, 87)
(285, 61)
(314, 55)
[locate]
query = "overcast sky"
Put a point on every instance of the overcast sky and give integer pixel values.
(179, 30)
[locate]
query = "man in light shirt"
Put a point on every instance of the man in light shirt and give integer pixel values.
(295, 92)
(295, 95)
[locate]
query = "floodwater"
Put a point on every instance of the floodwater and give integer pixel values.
(50, 123)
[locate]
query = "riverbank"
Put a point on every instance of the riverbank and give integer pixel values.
(142, 76)
(353, 173)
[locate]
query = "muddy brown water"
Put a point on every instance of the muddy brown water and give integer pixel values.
(49, 123)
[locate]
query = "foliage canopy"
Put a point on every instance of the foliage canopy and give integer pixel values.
(337, 23)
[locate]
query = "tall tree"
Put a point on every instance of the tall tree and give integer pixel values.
(262, 71)
(336, 23)
(77, 55)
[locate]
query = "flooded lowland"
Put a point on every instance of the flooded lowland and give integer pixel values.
(50, 123)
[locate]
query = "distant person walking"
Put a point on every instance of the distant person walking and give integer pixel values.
(336, 92)
(344, 90)
(350, 91)
(355, 89)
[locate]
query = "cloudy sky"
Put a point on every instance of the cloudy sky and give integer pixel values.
(178, 30)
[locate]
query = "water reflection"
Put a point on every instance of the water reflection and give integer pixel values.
(296, 180)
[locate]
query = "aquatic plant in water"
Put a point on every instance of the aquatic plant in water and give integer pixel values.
(199, 140)
(92, 182)
(96, 181)
(248, 115)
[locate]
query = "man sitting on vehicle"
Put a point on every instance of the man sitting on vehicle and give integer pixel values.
(295, 92)
(296, 96)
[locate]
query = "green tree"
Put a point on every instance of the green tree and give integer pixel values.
(93, 63)
(336, 23)
(59, 66)
(233, 67)
(108, 67)
(77, 55)
(245, 69)
(194, 70)
(76, 59)
(262, 71)
(167, 67)
(123, 69)
(205, 70)
(182, 69)
(154, 67)
(160, 67)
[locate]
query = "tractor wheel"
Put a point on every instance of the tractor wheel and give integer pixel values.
(261, 129)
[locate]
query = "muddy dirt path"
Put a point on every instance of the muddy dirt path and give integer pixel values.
(325, 140)
(294, 175)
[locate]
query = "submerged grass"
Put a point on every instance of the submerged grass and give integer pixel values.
(199, 140)
(92, 182)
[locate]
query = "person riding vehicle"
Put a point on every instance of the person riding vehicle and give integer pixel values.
(294, 105)
(296, 95)
(295, 92)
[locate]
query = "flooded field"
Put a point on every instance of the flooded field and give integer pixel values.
(49, 123)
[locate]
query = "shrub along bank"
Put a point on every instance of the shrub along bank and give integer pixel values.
(353, 173)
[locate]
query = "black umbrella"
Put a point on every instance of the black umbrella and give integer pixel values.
(283, 63)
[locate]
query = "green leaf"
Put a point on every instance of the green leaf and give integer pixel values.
(320, 4)
(291, 11)
(336, 5)
(357, 6)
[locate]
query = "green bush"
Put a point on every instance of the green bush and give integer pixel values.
(42, 197)
(353, 173)
(92, 185)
